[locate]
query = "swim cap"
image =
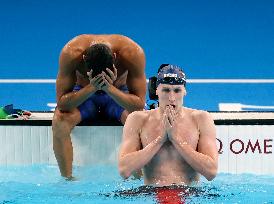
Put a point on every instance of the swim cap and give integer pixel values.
(170, 74)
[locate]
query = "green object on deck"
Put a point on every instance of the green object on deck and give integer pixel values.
(3, 114)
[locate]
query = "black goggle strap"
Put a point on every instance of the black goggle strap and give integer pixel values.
(172, 81)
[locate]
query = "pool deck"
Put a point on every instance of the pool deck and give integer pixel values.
(220, 118)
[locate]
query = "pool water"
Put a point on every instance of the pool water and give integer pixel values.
(102, 184)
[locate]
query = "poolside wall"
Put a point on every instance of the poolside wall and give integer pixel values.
(245, 145)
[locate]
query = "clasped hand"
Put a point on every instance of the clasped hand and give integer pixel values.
(169, 122)
(104, 80)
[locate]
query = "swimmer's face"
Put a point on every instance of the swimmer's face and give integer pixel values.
(171, 95)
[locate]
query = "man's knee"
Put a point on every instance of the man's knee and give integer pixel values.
(64, 121)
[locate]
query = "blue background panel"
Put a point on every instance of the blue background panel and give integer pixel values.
(230, 39)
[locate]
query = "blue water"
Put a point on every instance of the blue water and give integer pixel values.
(102, 184)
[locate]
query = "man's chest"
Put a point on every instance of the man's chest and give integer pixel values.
(186, 130)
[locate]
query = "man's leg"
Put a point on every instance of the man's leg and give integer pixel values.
(62, 124)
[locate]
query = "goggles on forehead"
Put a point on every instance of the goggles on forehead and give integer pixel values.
(171, 81)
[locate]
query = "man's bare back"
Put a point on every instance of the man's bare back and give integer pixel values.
(126, 50)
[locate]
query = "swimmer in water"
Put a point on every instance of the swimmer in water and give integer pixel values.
(100, 76)
(173, 144)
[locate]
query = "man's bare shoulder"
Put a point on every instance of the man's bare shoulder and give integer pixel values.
(77, 45)
(198, 114)
(122, 38)
(138, 117)
(128, 48)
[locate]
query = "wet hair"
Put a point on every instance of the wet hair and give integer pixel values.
(98, 57)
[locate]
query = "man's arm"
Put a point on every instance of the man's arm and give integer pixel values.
(131, 157)
(66, 98)
(205, 159)
(136, 83)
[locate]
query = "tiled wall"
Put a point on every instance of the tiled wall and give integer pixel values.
(242, 148)
(24, 145)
